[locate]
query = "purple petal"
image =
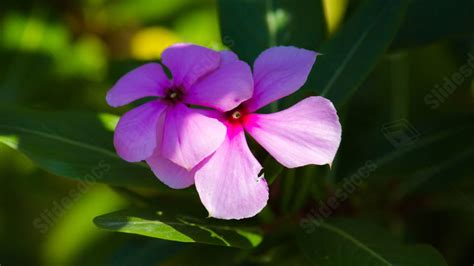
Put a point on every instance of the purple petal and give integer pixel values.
(169, 173)
(188, 63)
(307, 133)
(189, 136)
(225, 88)
(228, 182)
(144, 81)
(135, 136)
(278, 72)
(228, 57)
(212, 114)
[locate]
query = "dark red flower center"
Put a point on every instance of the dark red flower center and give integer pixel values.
(237, 115)
(174, 95)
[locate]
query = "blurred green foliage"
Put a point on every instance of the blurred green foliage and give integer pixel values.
(64, 55)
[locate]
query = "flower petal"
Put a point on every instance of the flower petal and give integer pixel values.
(225, 88)
(307, 133)
(144, 81)
(170, 173)
(278, 72)
(135, 136)
(188, 62)
(228, 57)
(228, 182)
(189, 136)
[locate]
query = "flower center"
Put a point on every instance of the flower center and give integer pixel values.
(236, 115)
(174, 95)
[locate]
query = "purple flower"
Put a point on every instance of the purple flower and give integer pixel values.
(309, 132)
(166, 127)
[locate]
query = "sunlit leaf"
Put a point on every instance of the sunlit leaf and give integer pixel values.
(200, 27)
(334, 11)
(149, 43)
(75, 145)
(73, 230)
(170, 226)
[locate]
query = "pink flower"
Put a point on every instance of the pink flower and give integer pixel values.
(166, 127)
(309, 132)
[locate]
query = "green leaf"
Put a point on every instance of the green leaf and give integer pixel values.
(272, 169)
(349, 57)
(73, 231)
(453, 197)
(349, 242)
(169, 226)
(297, 184)
(208, 255)
(438, 146)
(151, 252)
(71, 144)
(431, 20)
(249, 27)
(419, 179)
(437, 142)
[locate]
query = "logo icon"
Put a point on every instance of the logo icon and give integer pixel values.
(400, 133)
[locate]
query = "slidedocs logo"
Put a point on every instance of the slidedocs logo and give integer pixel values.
(400, 133)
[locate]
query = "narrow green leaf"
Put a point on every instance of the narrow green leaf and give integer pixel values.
(71, 144)
(457, 197)
(288, 189)
(349, 57)
(272, 169)
(418, 179)
(431, 20)
(308, 177)
(174, 227)
(350, 242)
(439, 141)
(250, 26)
(426, 142)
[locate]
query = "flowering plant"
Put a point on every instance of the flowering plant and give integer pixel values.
(266, 133)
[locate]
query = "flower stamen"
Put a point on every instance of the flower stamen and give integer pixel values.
(236, 115)
(174, 95)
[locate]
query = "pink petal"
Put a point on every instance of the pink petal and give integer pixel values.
(307, 133)
(228, 182)
(278, 72)
(169, 173)
(135, 136)
(144, 81)
(189, 136)
(225, 88)
(188, 63)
